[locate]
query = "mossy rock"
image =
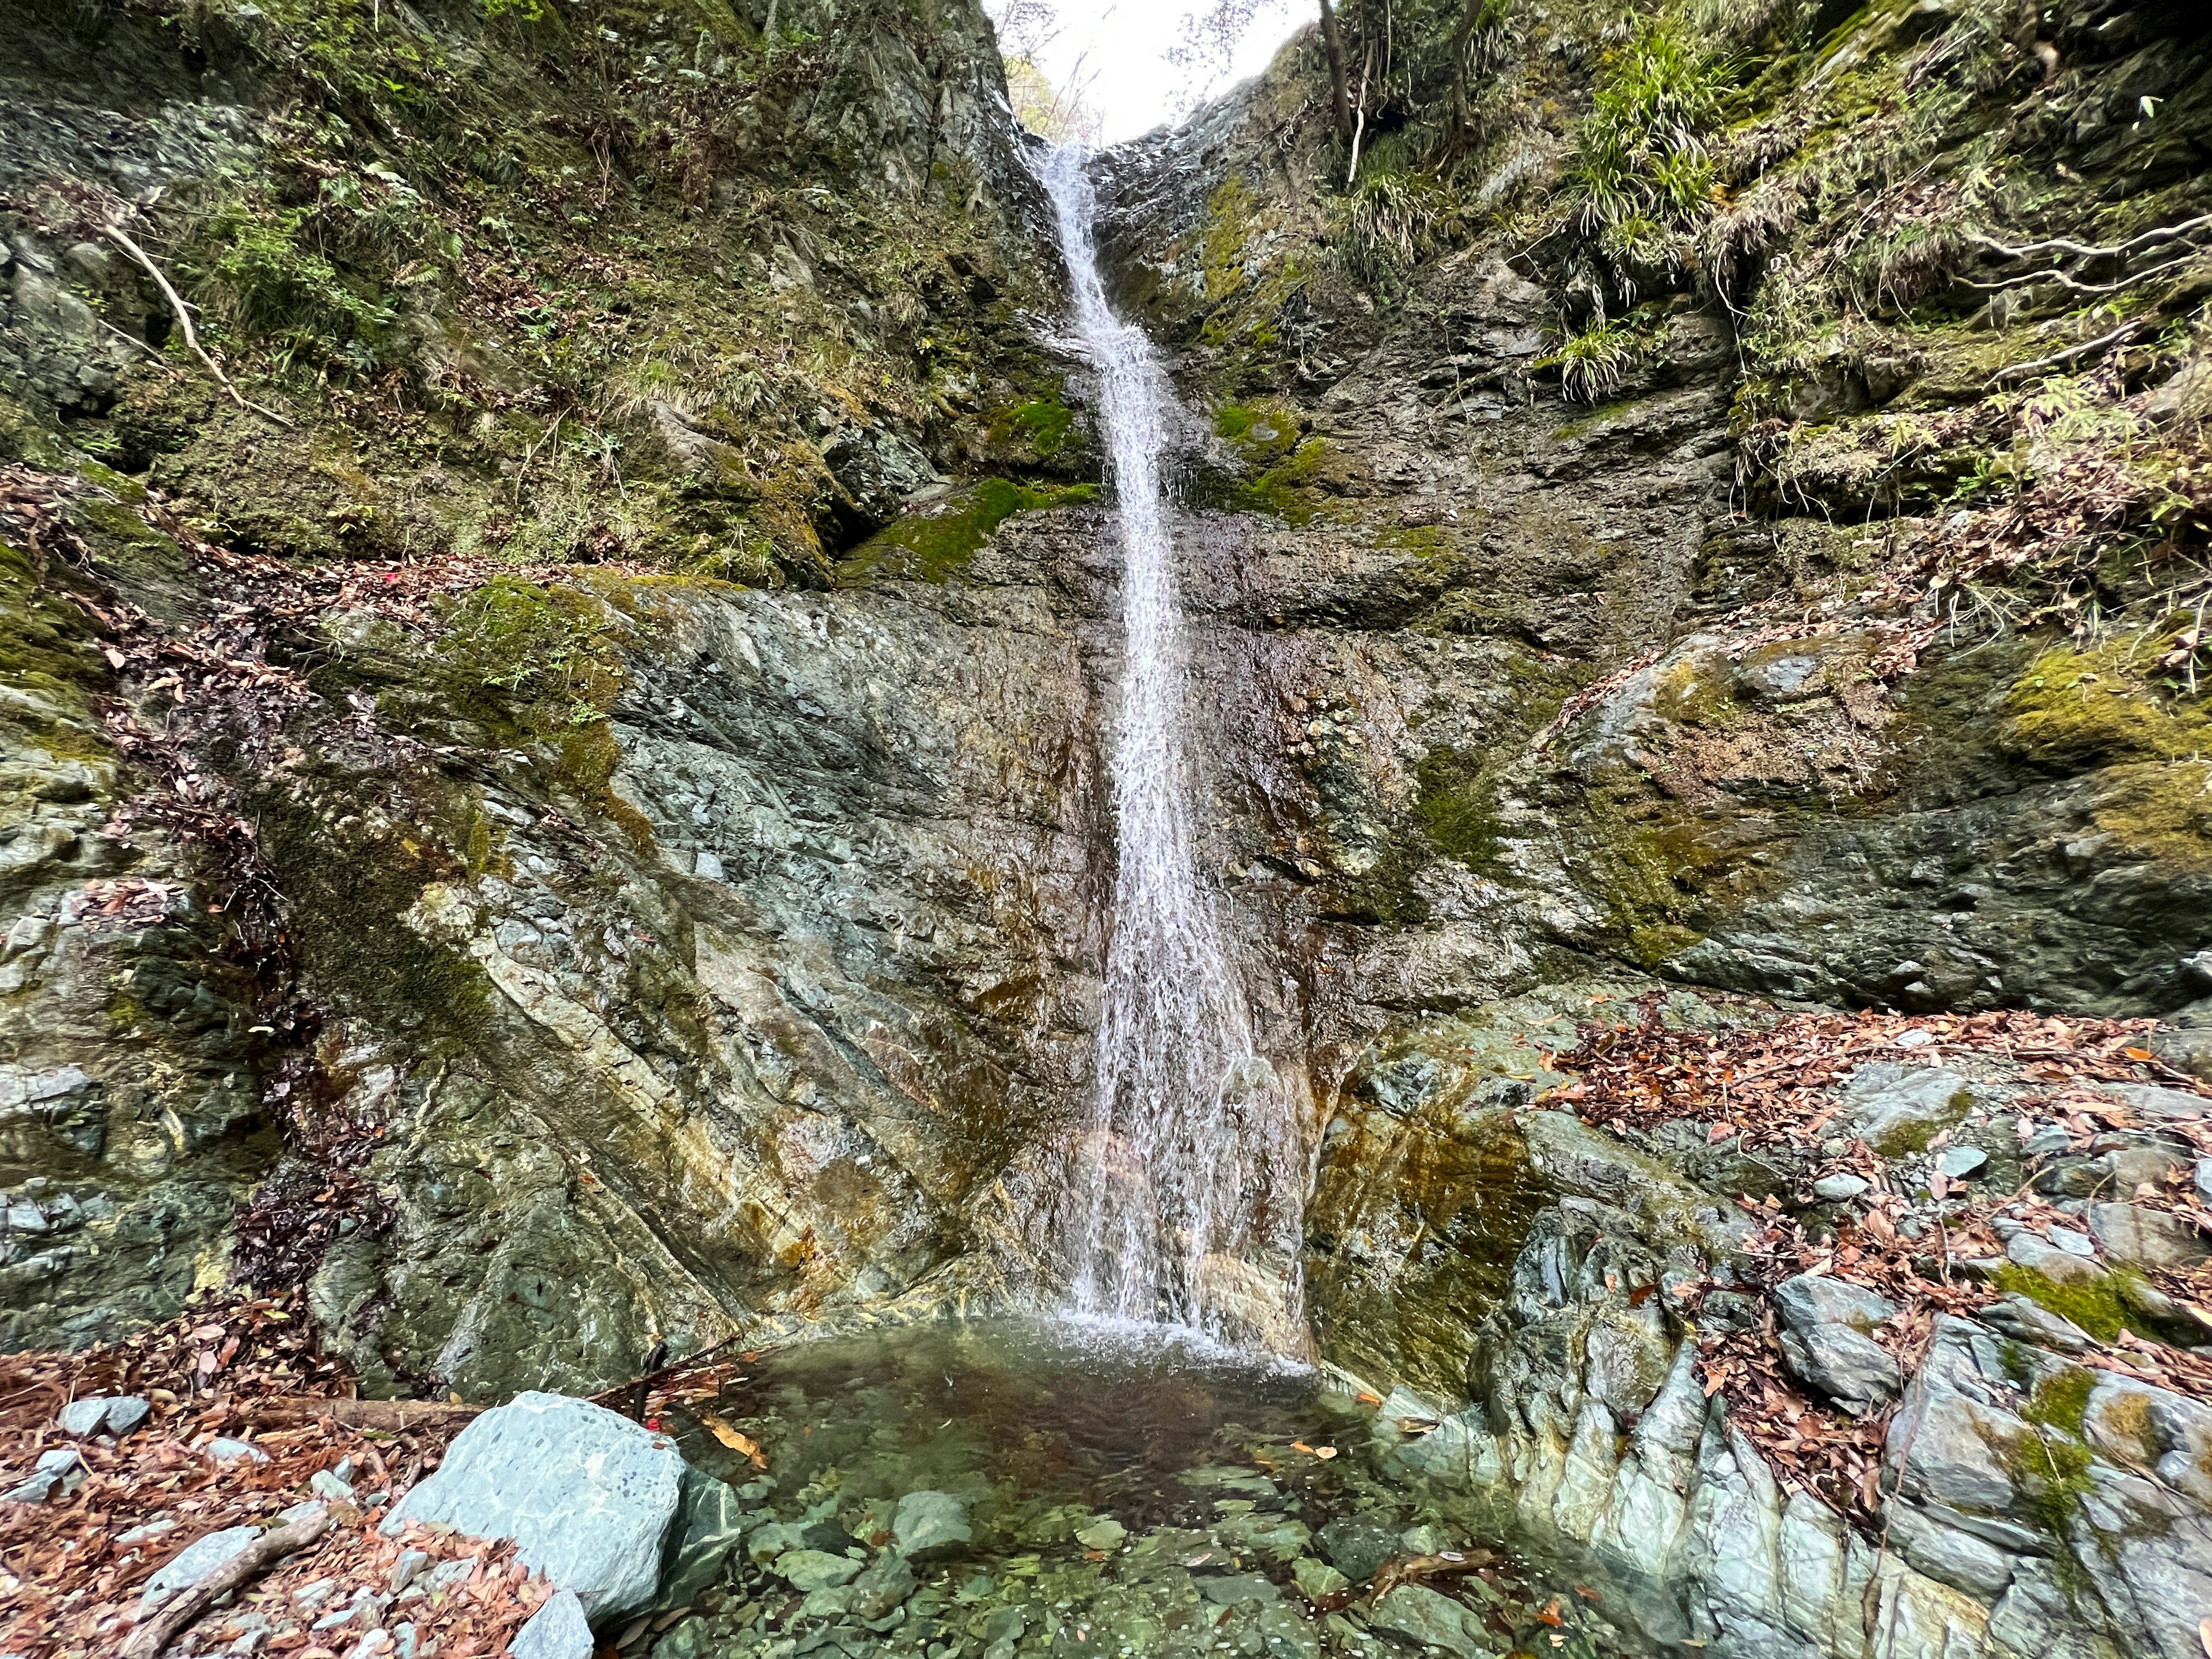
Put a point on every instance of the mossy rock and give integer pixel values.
(932, 544)
(2075, 709)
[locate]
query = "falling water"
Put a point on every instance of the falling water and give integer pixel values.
(1183, 1198)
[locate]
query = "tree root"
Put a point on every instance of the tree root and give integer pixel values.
(175, 1614)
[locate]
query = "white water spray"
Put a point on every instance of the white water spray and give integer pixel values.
(1184, 1196)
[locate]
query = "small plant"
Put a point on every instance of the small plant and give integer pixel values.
(1594, 363)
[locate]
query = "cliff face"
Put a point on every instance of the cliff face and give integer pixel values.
(558, 802)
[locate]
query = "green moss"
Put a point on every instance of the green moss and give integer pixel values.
(1289, 489)
(2073, 708)
(46, 651)
(1261, 433)
(2052, 1474)
(2060, 1400)
(1044, 423)
(930, 545)
(1457, 808)
(532, 661)
(2095, 1307)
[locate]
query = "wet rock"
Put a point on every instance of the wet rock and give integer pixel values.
(708, 1526)
(1428, 1619)
(1103, 1534)
(929, 1524)
(1237, 1589)
(882, 1584)
(196, 1561)
(1896, 1108)
(1356, 1546)
(2144, 1237)
(807, 1571)
(559, 1630)
(587, 1493)
(1316, 1580)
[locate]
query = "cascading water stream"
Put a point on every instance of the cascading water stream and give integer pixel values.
(1184, 1196)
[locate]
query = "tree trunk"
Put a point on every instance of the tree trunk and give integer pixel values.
(1335, 47)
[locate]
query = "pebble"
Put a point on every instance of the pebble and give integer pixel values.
(224, 1449)
(328, 1484)
(1837, 1188)
(1960, 1162)
(2072, 1242)
(405, 1569)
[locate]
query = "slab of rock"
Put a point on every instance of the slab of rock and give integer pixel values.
(559, 1630)
(2026, 1320)
(59, 1468)
(1960, 1162)
(807, 1571)
(1811, 1299)
(1316, 1580)
(115, 1414)
(1844, 1364)
(1840, 1189)
(1237, 1590)
(587, 1494)
(1426, 1619)
(196, 1561)
(2144, 1237)
(2058, 1265)
(882, 1584)
(709, 1525)
(1897, 1108)
(224, 1449)
(1357, 1547)
(930, 1524)
(2160, 1105)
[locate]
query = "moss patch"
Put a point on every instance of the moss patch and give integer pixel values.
(1457, 808)
(930, 545)
(2095, 1306)
(1044, 423)
(2075, 708)
(2060, 1400)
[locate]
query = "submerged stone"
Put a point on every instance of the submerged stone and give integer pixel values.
(808, 1571)
(1421, 1615)
(1357, 1547)
(930, 1523)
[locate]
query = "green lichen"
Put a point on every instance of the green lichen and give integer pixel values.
(46, 654)
(537, 661)
(2076, 707)
(932, 544)
(2051, 1473)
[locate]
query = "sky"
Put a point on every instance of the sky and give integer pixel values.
(1117, 49)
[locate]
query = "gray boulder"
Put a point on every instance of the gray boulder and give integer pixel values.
(929, 1523)
(1897, 1108)
(587, 1493)
(1357, 1547)
(558, 1630)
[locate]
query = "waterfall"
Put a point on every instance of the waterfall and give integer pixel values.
(1184, 1194)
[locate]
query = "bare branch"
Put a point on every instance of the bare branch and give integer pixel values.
(122, 239)
(148, 1641)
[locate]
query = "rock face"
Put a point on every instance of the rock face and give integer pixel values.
(586, 1494)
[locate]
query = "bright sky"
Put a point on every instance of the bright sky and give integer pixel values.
(1119, 48)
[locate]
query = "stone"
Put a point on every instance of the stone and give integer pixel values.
(1357, 1547)
(1840, 1189)
(1949, 1554)
(2059, 1266)
(708, 1527)
(125, 1412)
(587, 1494)
(1845, 1364)
(1316, 1580)
(224, 1449)
(882, 1584)
(1103, 1534)
(559, 1630)
(325, 1484)
(930, 1524)
(82, 1418)
(1896, 1108)
(1812, 1299)
(58, 1470)
(806, 1570)
(1426, 1619)
(1958, 1162)
(194, 1562)
(2144, 1237)
(1006, 1625)
(2026, 1321)
(405, 1569)
(2158, 1104)
(1237, 1589)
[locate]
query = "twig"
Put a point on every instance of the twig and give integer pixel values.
(2071, 286)
(2060, 245)
(122, 239)
(2063, 359)
(189, 1603)
(1359, 129)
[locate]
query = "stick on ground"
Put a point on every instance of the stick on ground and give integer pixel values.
(122, 239)
(178, 1613)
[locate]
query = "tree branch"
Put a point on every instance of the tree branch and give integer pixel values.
(189, 1603)
(122, 239)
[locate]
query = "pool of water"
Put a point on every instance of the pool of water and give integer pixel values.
(1121, 1493)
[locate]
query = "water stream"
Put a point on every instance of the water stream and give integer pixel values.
(1183, 1199)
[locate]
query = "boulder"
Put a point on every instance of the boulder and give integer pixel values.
(587, 1493)
(1897, 1108)
(709, 1525)
(930, 1524)
(559, 1630)
(1811, 1299)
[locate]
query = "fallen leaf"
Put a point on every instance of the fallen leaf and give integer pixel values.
(744, 1446)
